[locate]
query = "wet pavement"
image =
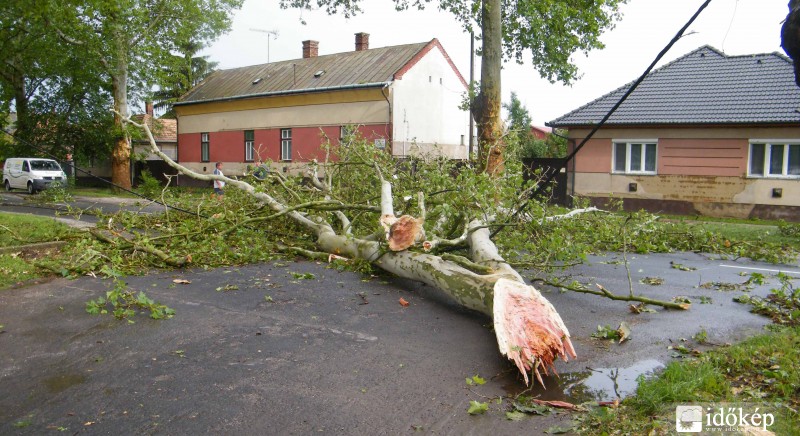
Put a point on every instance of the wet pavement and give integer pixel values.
(268, 349)
(262, 350)
(78, 213)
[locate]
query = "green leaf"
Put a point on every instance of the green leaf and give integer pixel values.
(477, 408)
(476, 380)
(515, 416)
(303, 276)
(532, 408)
(560, 430)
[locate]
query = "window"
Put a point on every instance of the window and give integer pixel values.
(249, 138)
(286, 144)
(204, 148)
(635, 157)
(774, 159)
(347, 130)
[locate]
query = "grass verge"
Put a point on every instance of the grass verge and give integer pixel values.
(760, 372)
(748, 231)
(18, 230)
(22, 229)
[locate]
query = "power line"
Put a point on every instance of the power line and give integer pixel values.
(549, 177)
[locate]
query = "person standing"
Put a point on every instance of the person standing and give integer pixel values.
(218, 184)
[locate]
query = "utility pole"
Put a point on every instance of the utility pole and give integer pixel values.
(471, 79)
(270, 34)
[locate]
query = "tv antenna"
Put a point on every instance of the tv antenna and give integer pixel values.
(270, 34)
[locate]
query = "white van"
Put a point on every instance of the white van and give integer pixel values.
(32, 174)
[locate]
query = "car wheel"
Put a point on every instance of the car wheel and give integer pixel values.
(30, 188)
(8, 186)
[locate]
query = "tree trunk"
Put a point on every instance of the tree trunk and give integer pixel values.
(24, 125)
(121, 154)
(486, 109)
(529, 331)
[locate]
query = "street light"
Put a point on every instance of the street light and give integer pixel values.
(270, 33)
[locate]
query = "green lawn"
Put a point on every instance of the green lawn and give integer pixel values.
(759, 372)
(17, 230)
(753, 231)
(22, 229)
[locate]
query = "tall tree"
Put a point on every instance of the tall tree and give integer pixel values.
(126, 40)
(182, 73)
(519, 123)
(551, 30)
(28, 58)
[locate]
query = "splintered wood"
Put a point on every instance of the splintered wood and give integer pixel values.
(529, 330)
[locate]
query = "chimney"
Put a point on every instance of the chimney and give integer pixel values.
(362, 41)
(310, 49)
(148, 108)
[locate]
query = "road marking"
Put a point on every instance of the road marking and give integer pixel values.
(761, 269)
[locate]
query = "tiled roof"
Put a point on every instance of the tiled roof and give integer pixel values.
(354, 69)
(163, 129)
(703, 87)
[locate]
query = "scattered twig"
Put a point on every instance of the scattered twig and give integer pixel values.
(169, 260)
(603, 292)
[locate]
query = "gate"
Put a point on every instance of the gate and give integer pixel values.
(548, 166)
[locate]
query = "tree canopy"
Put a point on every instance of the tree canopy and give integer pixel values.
(182, 72)
(112, 49)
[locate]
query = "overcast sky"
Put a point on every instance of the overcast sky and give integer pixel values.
(736, 27)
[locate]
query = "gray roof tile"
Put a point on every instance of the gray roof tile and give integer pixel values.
(703, 87)
(348, 69)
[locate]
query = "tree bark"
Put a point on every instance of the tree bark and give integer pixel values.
(24, 128)
(121, 154)
(486, 109)
(529, 331)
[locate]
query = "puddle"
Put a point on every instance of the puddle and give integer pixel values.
(609, 384)
(593, 384)
(63, 382)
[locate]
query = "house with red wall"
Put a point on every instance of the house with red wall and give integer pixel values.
(404, 99)
(707, 133)
(540, 132)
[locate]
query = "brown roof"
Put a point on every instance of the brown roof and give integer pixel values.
(164, 129)
(355, 69)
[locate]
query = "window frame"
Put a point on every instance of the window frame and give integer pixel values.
(286, 144)
(766, 165)
(643, 160)
(205, 147)
(249, 146)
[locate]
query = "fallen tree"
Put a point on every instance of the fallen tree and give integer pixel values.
(529, 330)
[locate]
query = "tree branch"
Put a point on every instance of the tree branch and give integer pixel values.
(603, 292)
(274, 204)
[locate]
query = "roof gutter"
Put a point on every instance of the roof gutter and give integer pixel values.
(289, 92)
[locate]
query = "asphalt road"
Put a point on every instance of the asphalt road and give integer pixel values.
(20, 202)
(335, 353)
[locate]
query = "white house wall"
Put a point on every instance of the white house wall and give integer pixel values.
(425, 113)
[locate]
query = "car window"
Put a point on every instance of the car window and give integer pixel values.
(25, 166)
(45, 165)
